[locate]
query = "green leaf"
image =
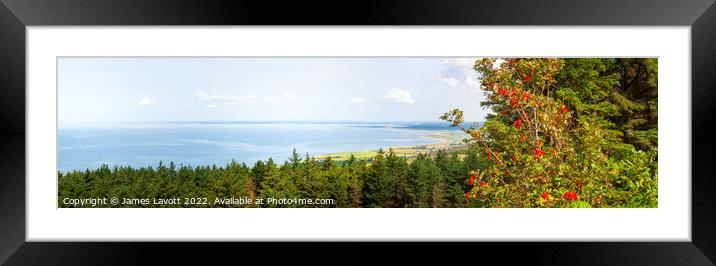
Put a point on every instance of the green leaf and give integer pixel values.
(579, 204)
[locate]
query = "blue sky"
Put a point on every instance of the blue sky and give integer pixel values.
(265, 89)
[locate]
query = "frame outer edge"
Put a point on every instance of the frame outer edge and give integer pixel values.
(12, 77)
(366, 12)
(12, 137)
(12, 115)
(703, 65)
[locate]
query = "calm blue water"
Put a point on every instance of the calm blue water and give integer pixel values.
(204, 143)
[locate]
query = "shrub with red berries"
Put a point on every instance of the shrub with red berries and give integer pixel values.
(536, 145)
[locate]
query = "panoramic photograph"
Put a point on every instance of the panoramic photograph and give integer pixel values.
(357, 132)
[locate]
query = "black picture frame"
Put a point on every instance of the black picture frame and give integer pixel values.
(15, 15)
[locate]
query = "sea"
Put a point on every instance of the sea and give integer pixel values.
(88, 146)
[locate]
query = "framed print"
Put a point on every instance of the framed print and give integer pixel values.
(417, 121)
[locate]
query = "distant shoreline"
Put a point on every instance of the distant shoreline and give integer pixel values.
(448, 140)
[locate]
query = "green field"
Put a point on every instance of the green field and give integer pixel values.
(448, 140)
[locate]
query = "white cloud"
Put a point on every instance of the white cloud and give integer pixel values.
(473, 83)
(458, 72)
(451, 82)
(203, 94)
(287, 95)
(226, 99)
(145, 101)
(269, 99)
(399, 96)
(359, 100)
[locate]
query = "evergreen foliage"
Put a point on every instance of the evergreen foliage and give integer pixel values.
(387, 180)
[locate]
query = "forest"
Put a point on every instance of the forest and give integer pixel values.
(562, 132)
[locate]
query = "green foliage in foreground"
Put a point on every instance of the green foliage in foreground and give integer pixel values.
(386, 180)
(574, 132)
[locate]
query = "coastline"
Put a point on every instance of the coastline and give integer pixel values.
(447, 140)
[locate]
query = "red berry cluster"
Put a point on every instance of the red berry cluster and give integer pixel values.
(538, 153)
(471, 180)
(544, 195)
(570, 195)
